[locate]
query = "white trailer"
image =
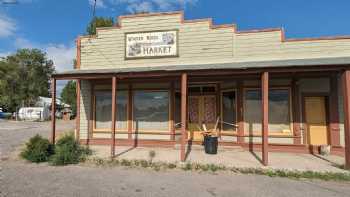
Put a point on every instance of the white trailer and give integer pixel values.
(34, 113)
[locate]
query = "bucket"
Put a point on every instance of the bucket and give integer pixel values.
(211, 144)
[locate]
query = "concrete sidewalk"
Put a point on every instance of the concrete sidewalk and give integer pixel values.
(230, 157)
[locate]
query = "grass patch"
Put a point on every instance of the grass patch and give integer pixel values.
(295, 174)
(341, 166)
(157, 166)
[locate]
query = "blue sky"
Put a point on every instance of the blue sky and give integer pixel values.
(53, 25)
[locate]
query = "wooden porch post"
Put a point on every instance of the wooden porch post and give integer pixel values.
(334, 111)
(114, 95)
(53, 110)
(218, 107)
(172, 111)
(346, 97)
(265, 115)
(296, 111)
(240, 111)
(183, 114)
(129, 111)
(77, 117)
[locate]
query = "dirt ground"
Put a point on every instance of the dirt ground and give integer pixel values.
(19, 178)
(15, 133)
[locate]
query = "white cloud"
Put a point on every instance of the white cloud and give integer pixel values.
(62, 55)
(4, 54)
(133, 6)
(24, 43)
(99, 3)
(140, 7)
(156, 5)
(7, 26)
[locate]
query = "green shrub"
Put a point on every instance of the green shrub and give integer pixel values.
(125, 162)
(187, 166)
(38, 149)
(68, 151)
(156, 166)
(171, 165)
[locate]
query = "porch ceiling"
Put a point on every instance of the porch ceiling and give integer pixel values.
(254, 66)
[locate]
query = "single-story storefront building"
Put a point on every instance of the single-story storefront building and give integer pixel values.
(158, 79)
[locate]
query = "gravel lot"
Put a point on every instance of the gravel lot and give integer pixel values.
(19, 178)
(13, 134)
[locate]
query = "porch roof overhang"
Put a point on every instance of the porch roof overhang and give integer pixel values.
(248, 67)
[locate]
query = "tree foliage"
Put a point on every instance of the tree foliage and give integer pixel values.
(25, 76)
(99, 22)
(69, 95)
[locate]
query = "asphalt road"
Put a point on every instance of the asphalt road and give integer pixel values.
(19, 178)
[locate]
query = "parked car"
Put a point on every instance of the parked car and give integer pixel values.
(4, 115)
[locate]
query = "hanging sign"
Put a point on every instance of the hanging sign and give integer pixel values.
(151, 44)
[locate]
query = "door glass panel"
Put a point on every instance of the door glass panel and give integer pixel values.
(209, 115)
(193, 109)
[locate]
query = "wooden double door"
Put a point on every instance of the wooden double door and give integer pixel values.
(201, 113)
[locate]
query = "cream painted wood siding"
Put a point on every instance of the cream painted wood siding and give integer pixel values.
(85, 105)
(269, 46)
(200, 42)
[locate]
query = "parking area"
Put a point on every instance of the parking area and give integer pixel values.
(19, 178)
(15, 133)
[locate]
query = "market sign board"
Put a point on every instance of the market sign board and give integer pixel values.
(153, 44)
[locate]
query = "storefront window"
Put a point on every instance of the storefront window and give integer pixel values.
(279, 113)
(252, 111)
(103, 110)
(151, 110)
(228, 110)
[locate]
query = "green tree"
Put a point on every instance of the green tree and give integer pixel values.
(25, 76)
(9, 83)
(99, 22)
(69, 95)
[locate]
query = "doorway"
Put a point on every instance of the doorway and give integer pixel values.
(316, 119)
(202, 110)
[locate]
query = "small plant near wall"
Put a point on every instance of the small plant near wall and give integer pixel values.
(38, 149)
(151, 155)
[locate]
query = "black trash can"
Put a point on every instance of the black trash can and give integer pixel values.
(210, 144)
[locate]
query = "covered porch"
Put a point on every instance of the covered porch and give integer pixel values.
(259, 108)
(228, 156)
